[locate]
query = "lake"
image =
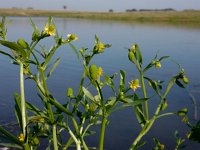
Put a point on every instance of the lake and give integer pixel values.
(181, 43)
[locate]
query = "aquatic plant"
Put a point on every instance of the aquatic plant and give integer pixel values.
(83, 109)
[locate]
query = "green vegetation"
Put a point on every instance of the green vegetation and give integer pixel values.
(88, 106)
(142, 16)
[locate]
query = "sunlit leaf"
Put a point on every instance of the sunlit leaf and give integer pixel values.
(122, 80)
(55, 64)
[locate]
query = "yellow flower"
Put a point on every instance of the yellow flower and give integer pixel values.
(50, 29)
(100, 47)
(158, 64)
(134, 84)
(99, 71)
(21, 137)
(71, 37)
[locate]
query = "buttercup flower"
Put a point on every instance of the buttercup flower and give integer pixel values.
(134, 84)
(21, 137)
(100, 47)
(71, 37)
(50, 29)
(99, 71)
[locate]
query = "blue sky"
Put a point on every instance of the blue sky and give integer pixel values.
(101, 5)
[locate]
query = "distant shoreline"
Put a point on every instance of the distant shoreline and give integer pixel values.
(190, 16)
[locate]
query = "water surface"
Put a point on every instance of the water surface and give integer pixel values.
(180, 43)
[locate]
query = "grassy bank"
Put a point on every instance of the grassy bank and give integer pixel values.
(146, 16)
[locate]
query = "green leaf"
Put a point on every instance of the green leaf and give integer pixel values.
(75, 50)
(11, 145)
(96, 39)
(4, 53)
(18, 109)
(154, 85)
(179, 84)
(109, 82)
(110, 103)
(139, 144)
(14, 46)
(88, 59)
(151, 64)
(138, 54)
(3, 28)
(33, 108)
(122, 81)
(36, 32)
(139, 112)
(55, 64)
(164, 57)
(171, 83)
(9, 136)
(130, 103)
(50, 55)
(88, 94)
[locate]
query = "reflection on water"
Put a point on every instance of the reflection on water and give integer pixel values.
(181, 43)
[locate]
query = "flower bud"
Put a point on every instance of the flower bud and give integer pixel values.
(70, 93)
(71, 37)
(131, 56)
(35, 141)
(95, 72)
(133, 48)
(22, 43)
(158, 64)
(93, 107)
(182, 112)
(164, 105)
(185, 79)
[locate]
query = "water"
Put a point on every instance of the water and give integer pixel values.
(182, 44)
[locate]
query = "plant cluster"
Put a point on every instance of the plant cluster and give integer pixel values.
(88, 106)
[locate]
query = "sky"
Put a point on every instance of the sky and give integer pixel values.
(101, 5)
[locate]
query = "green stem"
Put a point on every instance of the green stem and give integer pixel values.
(104, 118)
(145, 95)
(50, 111)
(55, 143)
(81, 83)
(84, 144)
(144, 131)
(102, 134)
(78, 143)
(147, 127)
(23, 104)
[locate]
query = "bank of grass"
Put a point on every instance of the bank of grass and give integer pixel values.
(192, 16)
